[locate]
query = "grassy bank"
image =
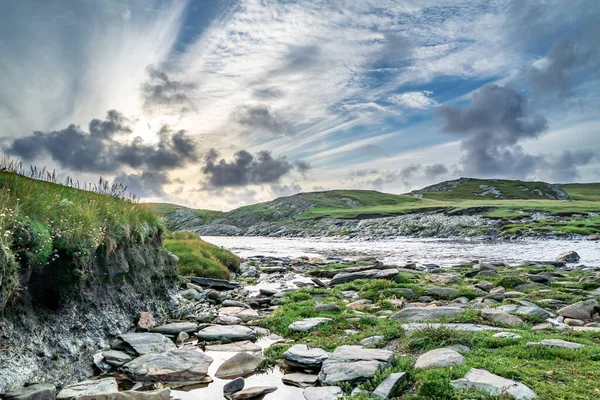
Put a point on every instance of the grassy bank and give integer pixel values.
(43, 224)
(199, 258)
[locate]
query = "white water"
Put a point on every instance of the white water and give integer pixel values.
(444, 252)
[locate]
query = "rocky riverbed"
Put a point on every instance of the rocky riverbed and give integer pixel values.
(313, 328)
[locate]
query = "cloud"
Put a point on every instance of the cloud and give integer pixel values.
(302, 166)
(146, 184)
(244, 169)
(565, 167)
(376, 178)
(550, 74)
(286, 190)
(260, 119)
(418, 100)
(164, 95)
(100, 151)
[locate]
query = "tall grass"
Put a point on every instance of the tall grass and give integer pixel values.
(44, 222)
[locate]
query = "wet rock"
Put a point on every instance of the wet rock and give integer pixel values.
(439, 358)
(146, 321)
(485, 286)
(580, 310)
(445, 279)
(89, 389)
(327, 308)
(537, 278)
(241, 364)
(38, 391)
(568, 257)
(344, 277)
(273, 270)
(390, 386)
(226, 333)
(175, 328)
(455, 327)
(563, 344)
(300, 379)
(481, 379)
(183, 365)
(268, 292)
(501, 317)
(253, 392)
(353, 364)
(245, 345)
(217, 284)
(308, 324)
(234, 386)
(116, 358)
(485, 266)
(144, 343)
(426, 314)
(303, 356)
(234, 303)
(323, 393)
(372, 340)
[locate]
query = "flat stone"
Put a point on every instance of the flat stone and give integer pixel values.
(439, 358)
(344, 277)
(183, 365)
(253, 392)
(89, 389)
(38, 391)
(355, 353)
(372, 340)
(446, 293)
(308, 324)
(323, 393)
(327, 308)
(390, 386)
(234, 386)
(426, 314)
(537, 278)
(574, 322)
(563, 344)
(446, 279)
(303, 356)
(481, 379)
(300, 379)
(534, 311)
(228, 320)
(175, 328)
(507, 335)
(241, 364)
(455, 327)
(245, 314)
(244, 345)
(226, 333)
(501, 317)
(234, 303)
(218, 284)
(116, 358)
(580, 310)
(353, 364)
(146, 342)
(358, 304)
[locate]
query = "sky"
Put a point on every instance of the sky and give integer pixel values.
(222, 103)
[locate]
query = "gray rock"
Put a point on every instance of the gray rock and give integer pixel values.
(244, 345)
(323, 393)
(372, 340)
(182, 337)
(439, 358)
(481, 379)
(226, 333)
(358, 304)
(455, 327)
(344, 277)
(445, 279)
(426, 314)
(175, 328)
(227, 320)
(241, 364)
(245, 314)
(568, 257)
(218, 284)
(234, 386)
(89, 389)
(308, 324)
(253, 392)
(303, 356)
(501, 317)
(507, 335)
(459, 348)
(446, 293)
(525, 310)
(300, 379)
(580, 310)
(146, 342)
(116, 358)
(353, 364)
(390, 386)
(234, 303)
(183, 365)
(327, 308)
(38, 391)
(563, 344)
(537, 278)
(192, 295)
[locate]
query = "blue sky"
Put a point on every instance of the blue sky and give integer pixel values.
(229, 102)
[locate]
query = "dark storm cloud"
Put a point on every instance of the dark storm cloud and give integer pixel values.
(565, 167)
(244, 169)
(163, 94)
(302, 166)
(436, 170)
(261, 119)
(553, 76)
(100, 152)
(146, 184)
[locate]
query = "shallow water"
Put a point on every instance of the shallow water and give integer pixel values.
(214, 390)
(444, 252)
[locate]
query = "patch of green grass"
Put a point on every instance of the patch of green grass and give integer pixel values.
(199, 258)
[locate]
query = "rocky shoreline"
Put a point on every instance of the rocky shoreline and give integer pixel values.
(343, 340)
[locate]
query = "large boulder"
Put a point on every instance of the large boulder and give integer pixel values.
(241, 364)
(426, 314)
(183, 365)
(226, 333)
(439, 358)
(302, 356)
(145, 342)
(580, 310)
(483, 380)
(568, 257)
